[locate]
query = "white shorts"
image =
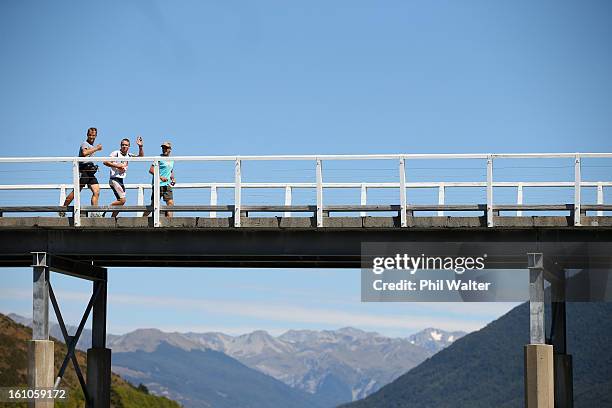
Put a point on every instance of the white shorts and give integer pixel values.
(118, 188)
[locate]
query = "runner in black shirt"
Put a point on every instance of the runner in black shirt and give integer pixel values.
(87, 170)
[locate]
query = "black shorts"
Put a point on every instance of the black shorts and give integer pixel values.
(87, 178)
(165, 192)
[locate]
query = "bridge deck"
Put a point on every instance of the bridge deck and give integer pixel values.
(433, 222)
(278, 241)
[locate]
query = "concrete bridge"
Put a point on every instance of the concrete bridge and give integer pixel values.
(307, 236)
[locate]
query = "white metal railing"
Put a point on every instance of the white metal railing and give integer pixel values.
(320, 185)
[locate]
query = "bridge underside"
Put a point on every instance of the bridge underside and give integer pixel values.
(293, 242)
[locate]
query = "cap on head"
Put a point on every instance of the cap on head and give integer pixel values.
(167, 144)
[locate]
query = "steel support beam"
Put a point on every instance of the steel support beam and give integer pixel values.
(98, 324)
(563, 372)
(40, 297)
(286, 247)
(535, 264)
(99, 376)
(558, 336)
(98, 356)
(75, 268)
(564, 380)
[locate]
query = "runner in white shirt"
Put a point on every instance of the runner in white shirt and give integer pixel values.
(118, 170)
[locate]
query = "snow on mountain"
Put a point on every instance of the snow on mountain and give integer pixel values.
(437, 336)
(434, 340)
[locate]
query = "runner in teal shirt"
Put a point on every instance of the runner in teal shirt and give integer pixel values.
(166, 168)
(166, 179)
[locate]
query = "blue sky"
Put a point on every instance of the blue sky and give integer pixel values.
(269, 77)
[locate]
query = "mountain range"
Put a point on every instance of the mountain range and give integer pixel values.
(336, 365)
(330, 366)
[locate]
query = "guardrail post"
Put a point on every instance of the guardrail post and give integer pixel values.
(519, 198)
(441, 198)
(287, 200)
(76, 184)
(402, 174)
(140, 200)
(600, 198)
(319, 193)
(156, 203)
(213, 199)
(363, 199)
(237, 193)
(490, 191)
(577, 190)
(62, 197)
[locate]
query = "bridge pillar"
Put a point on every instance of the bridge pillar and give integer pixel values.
(539, 380)
(564, 393)
(98, 356)
(40, 368)
(539, 371)
(564, 387)
(40, 348)
(99, 376)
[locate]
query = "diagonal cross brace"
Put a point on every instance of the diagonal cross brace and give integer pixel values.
(68, 340)
(71, 341)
